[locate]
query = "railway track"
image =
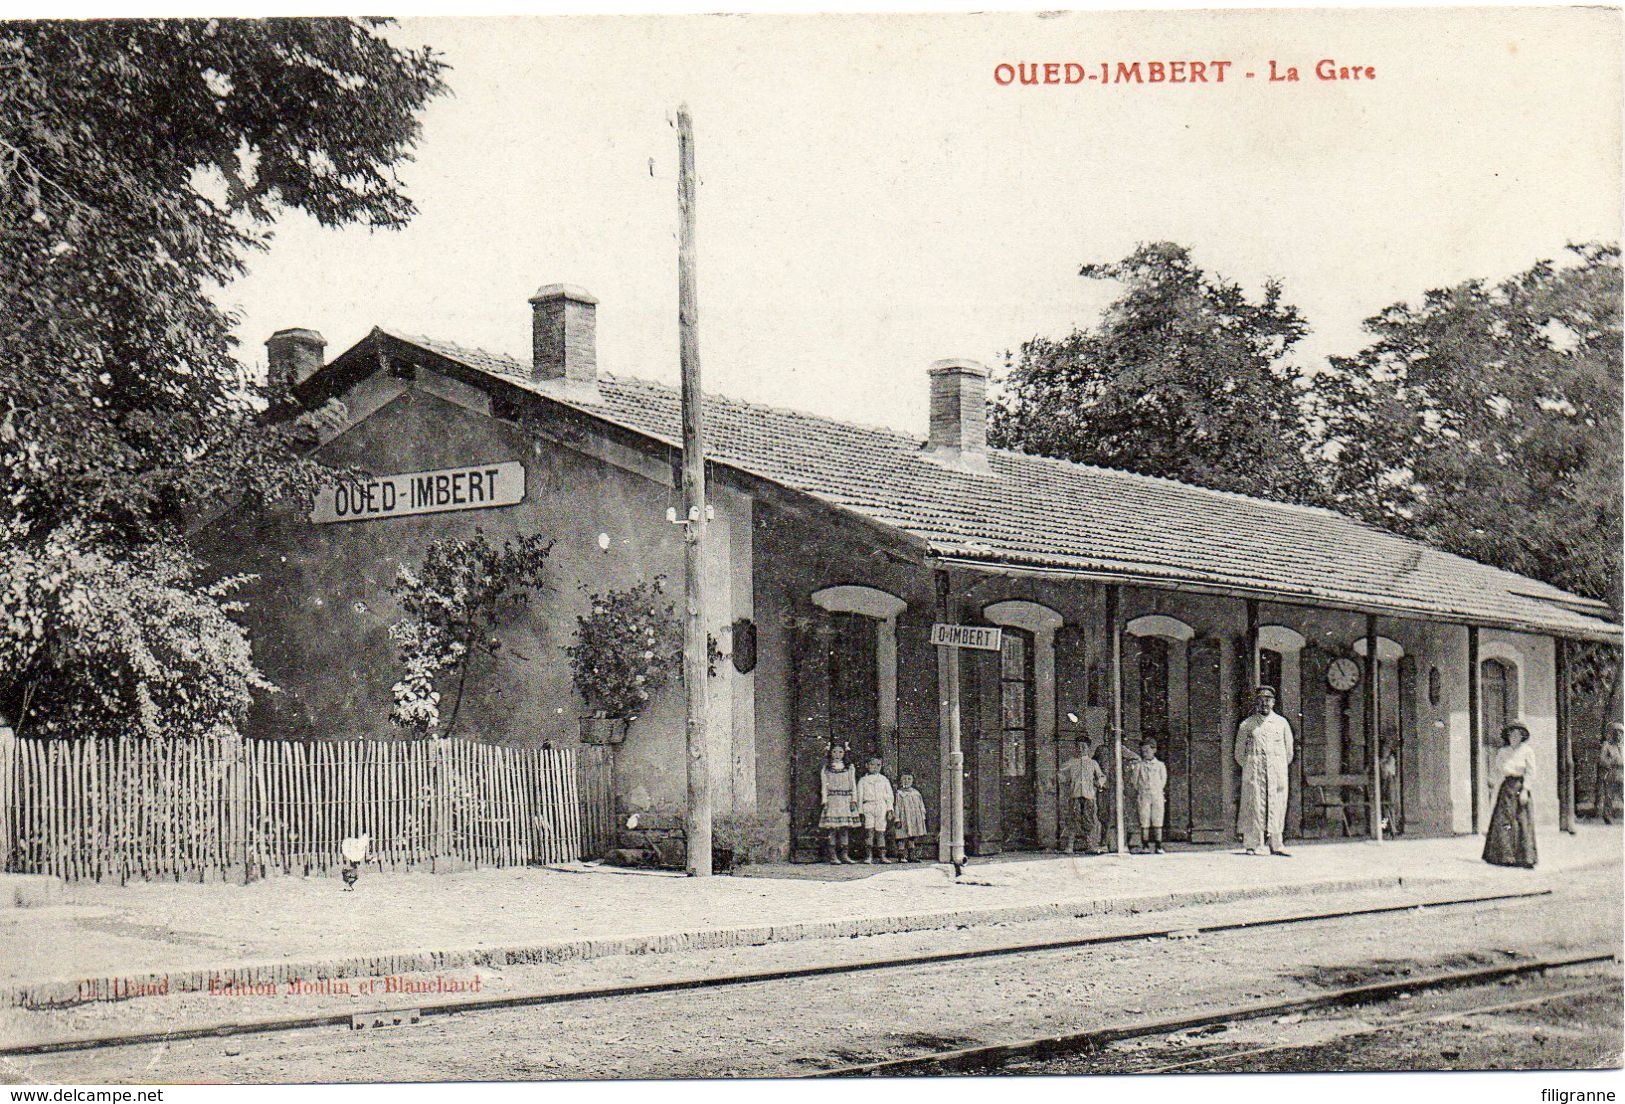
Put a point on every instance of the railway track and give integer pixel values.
(992, 1055)
(464, 1005)
(1397, 1024)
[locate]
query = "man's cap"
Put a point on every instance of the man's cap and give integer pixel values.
(1270, 690)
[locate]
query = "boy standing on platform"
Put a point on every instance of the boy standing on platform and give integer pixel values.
(876, 802)
(1081, 780)
(1151, 787)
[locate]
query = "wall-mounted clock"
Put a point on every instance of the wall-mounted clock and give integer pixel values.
(1343, 674)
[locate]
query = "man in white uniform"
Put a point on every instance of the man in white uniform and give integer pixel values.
(1263, 751)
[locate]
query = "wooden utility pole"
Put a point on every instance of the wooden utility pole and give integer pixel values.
(695, 642)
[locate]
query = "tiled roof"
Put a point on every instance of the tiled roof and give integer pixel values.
(1039, 512)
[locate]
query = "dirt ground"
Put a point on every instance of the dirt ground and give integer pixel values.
(803, 1025)
(1566, 1021)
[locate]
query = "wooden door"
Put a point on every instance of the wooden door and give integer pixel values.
(1207, 760)
(1152, 722)
(979, 685)
(854, 687)
(1074, 697)
(1017, 741)
(918, 749)
(809, 687)
(835, 686)
(1313, 755)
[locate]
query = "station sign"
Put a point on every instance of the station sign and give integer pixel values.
(966, 636)
(479, 487)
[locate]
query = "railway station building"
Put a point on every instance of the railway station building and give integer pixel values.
(833, 551)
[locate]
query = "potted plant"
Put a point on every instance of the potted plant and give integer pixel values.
(627, 647)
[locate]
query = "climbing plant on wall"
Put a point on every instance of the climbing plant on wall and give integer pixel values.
(452, 606)
(627, 647)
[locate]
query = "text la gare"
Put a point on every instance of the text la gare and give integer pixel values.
(1326, 69)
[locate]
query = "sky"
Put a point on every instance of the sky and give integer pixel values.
(872, 199)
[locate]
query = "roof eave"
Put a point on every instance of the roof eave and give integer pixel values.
(1603, 633)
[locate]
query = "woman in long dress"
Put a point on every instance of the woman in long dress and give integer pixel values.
(1610, 771)
(1510, 840)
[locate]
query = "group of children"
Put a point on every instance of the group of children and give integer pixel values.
(872, 806)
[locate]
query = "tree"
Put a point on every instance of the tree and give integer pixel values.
(134, 645)
(1183, 377)
(141, 162)
(452, 607)
(1485, 420)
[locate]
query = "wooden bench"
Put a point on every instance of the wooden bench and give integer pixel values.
(1332, 796)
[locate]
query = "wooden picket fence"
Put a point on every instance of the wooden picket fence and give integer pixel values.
(594, 776)
(122, 809)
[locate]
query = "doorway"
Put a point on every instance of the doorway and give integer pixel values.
(1018, 743)
(1158, 701)
(854, 686)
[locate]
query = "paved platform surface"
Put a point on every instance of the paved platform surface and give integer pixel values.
(110, 942)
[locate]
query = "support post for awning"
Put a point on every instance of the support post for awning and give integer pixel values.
(1565, 737)
(1254, 673)
(1373, 714)
(951, 792)
(1115, 635)
(1475, 723)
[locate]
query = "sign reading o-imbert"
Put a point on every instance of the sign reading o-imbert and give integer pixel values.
(980, 637)
(429, 492)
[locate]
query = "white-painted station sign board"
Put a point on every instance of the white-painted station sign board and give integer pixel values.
(427, 492)
(966, 636)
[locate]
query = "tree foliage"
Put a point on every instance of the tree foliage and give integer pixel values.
(451, 609)
(1184, 377)
(132, 646)
(141, 163)
(1485, 419)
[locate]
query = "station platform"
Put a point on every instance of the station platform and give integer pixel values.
(109, 943)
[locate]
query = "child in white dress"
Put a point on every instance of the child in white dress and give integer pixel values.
(910, 817)
(838, 806)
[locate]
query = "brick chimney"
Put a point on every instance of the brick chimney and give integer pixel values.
(294, 356)
(959, 415)
(564, 341)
